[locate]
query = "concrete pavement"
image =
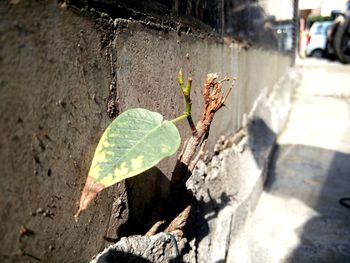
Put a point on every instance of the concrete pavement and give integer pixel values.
(299, 218)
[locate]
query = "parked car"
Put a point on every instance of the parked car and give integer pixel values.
(339, 35)
(317, 39)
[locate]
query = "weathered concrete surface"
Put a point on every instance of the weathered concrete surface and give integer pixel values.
(50, 125)
(162, 247)
(299, 218)
(57, 69)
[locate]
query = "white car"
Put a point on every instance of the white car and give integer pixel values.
(317, 39)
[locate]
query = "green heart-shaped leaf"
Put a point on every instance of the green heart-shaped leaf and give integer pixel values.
(134, 142)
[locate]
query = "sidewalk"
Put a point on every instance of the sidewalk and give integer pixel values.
(299, 218)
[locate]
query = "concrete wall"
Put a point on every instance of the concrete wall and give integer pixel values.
(57, 65)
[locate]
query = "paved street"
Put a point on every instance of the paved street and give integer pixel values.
(299, 218)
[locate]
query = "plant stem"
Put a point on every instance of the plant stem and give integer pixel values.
(183, 116)
(186, 92)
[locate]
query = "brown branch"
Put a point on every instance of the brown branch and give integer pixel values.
(180, 221)
(214, 99)
(199, 155)
(154, 228)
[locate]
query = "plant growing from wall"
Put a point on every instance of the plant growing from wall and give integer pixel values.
(138, 139)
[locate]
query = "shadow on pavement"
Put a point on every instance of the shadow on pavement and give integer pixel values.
(319, 178)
